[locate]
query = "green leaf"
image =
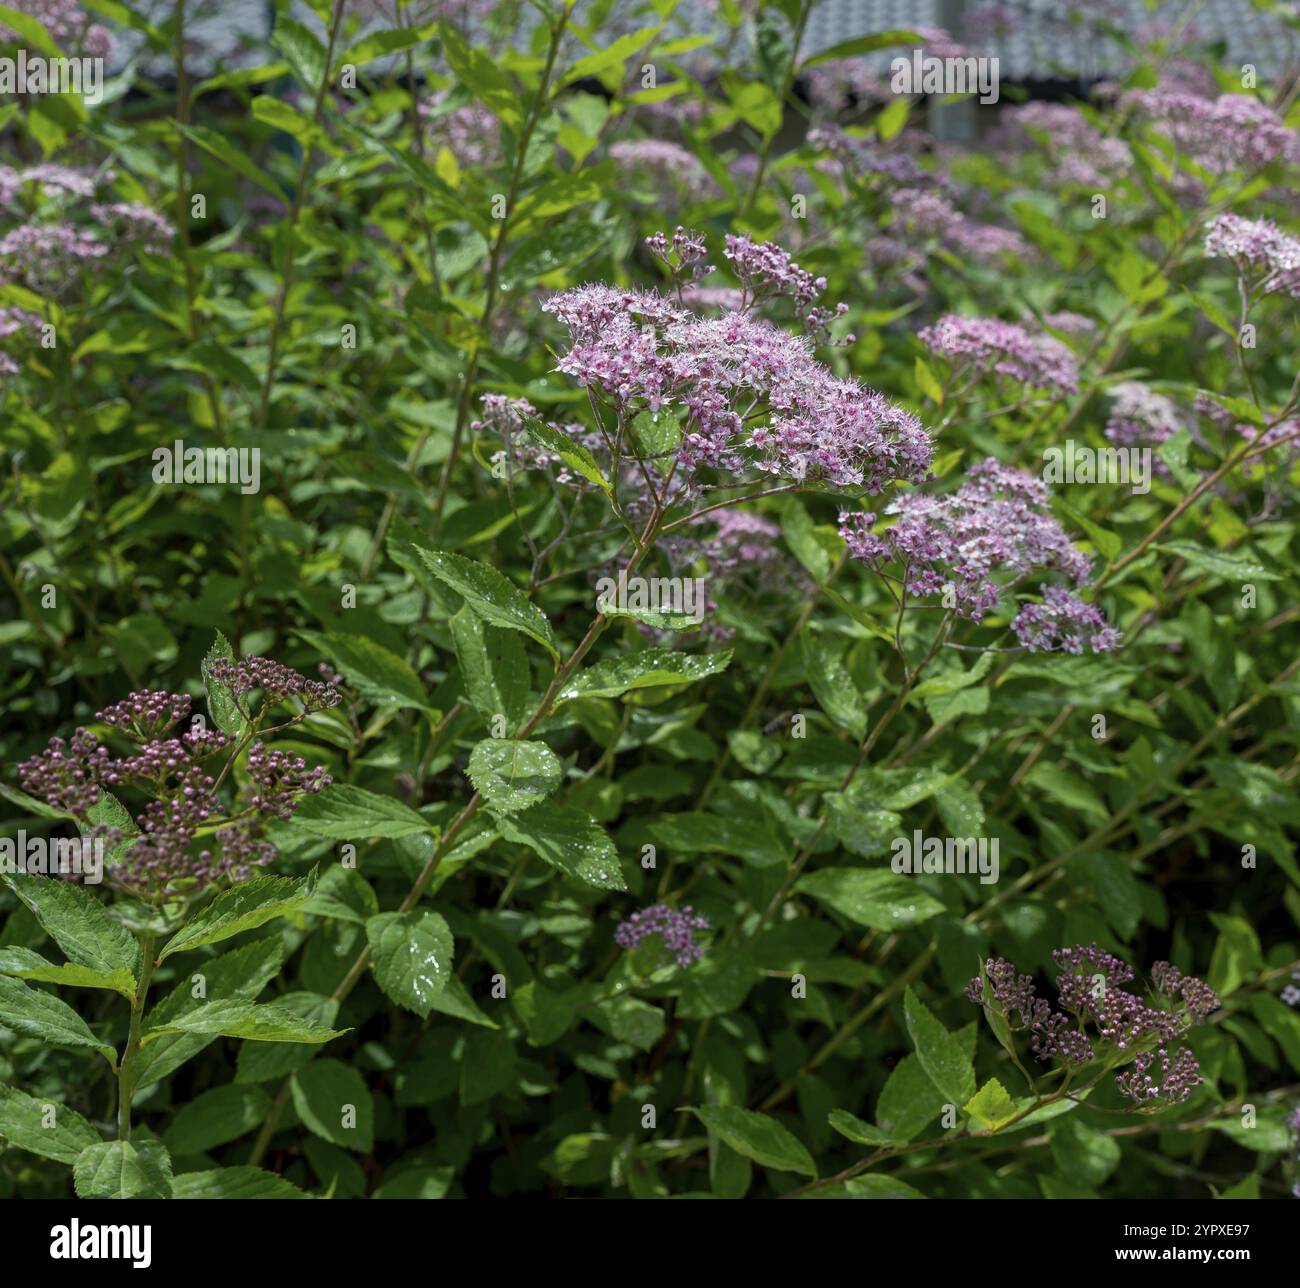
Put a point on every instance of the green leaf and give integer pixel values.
(411, 954)
(343, 894)
(379, 44)
(1084, 1155)
(757, 1137)
(926, 380)
(1068, 789)
(909, 1102)
(572, 453)
(455, 1001)
(494, 667)
(513, 775)
(491, 596)
(858, 1131)
(479, 73)
(859, 45)
(216, 1117)
(871, 897)
(613, 55)
(25, 964)
(647, 669)
(940, 1054)
(1233, 568)
(990, 1106)
(569, 840)
(234, 1183)
(302, 51)
(876, 1185)
(343, 812)
(831, 683)
(243, 907)
(123, 1169)
(417, 1183)
(240, 974)
(695, 832)
(43, 1127)
(377, 674)
(333, 1102)
(657, 432)
(77, 921)
(221, 698)
(227, 153)
(254, 1021)
(264, 1061)
(40, 1015)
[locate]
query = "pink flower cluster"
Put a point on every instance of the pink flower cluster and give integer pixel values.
(751, 395)
(1261, 250)
(990, 345)
(48, 249)
(930, 215)
(470, 133)
(1063, 622)
(1092, 996)
(1079, 152)
(504, 417)
(69, 25)
(1233, 132)
(1140, 417)
(997, 522)
(665, 161)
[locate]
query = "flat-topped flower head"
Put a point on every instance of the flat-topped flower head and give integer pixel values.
(1232, 132)
(750, 395)
(990, 346)
(146, 714)
(675, 926)
(1065, 623)
(192, 820)
(1263, 253)
(1141, 417)
(974, 543)
(1100, 1019)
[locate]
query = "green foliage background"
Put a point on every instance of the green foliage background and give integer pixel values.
(528, 1070)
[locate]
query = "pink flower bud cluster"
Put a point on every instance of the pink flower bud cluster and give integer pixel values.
(183, 836)
(277, 683)
(1099, 1018)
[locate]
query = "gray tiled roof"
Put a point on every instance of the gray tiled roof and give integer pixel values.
(1043, 43)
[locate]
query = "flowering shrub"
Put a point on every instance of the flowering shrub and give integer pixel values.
(573, 595)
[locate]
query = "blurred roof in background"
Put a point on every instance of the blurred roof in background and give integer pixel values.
(1035, 40)
(1061, 40)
